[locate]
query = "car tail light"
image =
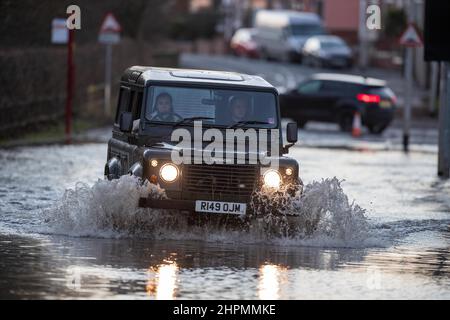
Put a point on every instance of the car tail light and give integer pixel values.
(368, 98)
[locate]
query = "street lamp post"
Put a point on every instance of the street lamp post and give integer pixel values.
(444, 123)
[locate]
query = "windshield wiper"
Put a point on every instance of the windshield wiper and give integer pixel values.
(189, 120)
(244, 123)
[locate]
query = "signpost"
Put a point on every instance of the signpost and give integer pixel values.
(62, 35)
(109, 35)
(410, 39)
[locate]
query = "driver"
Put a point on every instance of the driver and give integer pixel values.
(164, 109)
(239, 108)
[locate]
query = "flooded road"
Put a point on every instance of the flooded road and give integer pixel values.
(92, 242)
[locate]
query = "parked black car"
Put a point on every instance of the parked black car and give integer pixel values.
(336, 97)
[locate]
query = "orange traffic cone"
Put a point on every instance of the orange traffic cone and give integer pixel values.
(356, 128)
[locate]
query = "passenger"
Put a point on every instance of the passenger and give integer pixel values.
(164, 109)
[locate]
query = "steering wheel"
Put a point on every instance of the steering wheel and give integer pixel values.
(176, 115)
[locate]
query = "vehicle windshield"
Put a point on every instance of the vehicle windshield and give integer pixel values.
(214, 107)
(332, 44)
(306, 29)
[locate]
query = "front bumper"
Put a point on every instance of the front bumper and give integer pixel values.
(188, 205)
(337, 62)
(375, 115)
(181, 205)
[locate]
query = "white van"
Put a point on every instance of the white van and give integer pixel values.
(281, 34)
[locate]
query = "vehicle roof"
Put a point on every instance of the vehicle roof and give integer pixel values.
(284, 17)
(244, 34)
(349, 78)
(246, 30)
(143, 75)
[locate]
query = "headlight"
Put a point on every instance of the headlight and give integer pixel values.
(289, 171)
(169, 172)
(272, 179)
(154, 163)
(323, 54)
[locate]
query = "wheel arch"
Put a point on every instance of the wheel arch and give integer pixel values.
(113, 168)
(136, 170)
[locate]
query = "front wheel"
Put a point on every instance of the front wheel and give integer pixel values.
(276, 212)
(275, 202)
(346, 122)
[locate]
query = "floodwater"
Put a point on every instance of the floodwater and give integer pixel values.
(383, 232)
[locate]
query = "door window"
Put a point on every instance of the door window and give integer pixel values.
(137, 104)
(124, 102)
(335, 87)
(310, 87)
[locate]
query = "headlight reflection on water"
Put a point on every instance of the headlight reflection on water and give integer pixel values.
(270, 278)
(162, 281)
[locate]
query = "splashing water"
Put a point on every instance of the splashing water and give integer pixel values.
(322, 212)
(107, 209)
(322, 215)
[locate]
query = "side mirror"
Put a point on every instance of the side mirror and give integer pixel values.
(126, 121)
(292, 132)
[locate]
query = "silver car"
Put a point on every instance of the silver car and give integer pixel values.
(327, 51)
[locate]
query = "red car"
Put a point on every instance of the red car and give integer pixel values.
(243, 44)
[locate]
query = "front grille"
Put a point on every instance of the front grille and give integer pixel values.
(220, 181)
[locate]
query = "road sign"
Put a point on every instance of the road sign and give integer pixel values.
(109, 35)
(411, 37)
(60, 33)
(110, 30)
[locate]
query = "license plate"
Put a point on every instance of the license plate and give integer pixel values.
(220, 207)
(385, 104)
